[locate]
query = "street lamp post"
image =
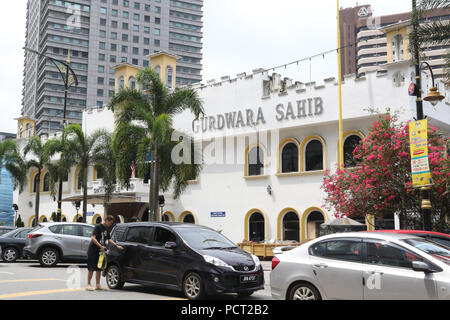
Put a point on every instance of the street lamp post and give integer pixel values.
(70, 78)
(433, 97)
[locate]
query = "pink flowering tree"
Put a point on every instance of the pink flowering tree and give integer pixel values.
(381, 183)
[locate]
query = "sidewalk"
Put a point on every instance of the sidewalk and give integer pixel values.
(267, 265)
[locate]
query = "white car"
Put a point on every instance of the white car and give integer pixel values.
(363, 266)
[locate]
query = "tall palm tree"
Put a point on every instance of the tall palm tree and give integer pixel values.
(85, 151)
(41, 156)
(436, 32)
(11, 160)
(144, 130)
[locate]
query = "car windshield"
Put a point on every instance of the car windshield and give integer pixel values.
(205, 239)
(436, 250)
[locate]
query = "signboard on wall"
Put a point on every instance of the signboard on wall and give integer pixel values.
(221, 214)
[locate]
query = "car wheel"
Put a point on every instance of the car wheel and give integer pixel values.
(48, 257)
(193, 286)
(304, 291)
(245, 294)
(114, 278)
(10, 255)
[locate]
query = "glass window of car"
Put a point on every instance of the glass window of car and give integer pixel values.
(338, 249)
(69, 230)
(22, 234)
(204, 239)
(138, 235)
(383, 253)
(162, 236)
(442, 241)
(86, 231)
(436, 250)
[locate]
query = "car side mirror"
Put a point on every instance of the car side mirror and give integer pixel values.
(420, 266)
(170, 245)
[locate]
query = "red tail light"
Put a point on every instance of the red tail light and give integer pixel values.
(275, 262)
(34, 235)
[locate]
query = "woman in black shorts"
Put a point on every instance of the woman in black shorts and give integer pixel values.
(99, 239)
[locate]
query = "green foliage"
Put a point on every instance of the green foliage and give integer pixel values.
(19, 222)
(144, 127)
(11, 159)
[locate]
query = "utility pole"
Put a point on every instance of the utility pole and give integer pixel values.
(70, 78)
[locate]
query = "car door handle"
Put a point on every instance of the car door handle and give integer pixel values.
(321, 265)
(376, 272)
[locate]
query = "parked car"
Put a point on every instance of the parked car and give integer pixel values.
(363, 266)
(56, 242)
(184, 257)
(12, 243)
(440, 238)
(4, 230)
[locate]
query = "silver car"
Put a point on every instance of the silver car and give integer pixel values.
(363, 266)
(51, 243)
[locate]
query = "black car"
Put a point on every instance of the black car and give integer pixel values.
(184, 257)
(12, 244)
(4, 230)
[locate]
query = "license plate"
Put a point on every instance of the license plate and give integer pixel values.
(250, 278)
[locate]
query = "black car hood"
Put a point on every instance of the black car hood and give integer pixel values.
(236, 257)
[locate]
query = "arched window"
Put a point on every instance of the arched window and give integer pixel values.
(98, 220)
(165, 218)
(158, 70)
(189, 218)
(256, 227)
(255, 160)
(64, 219)
(169, 77)
(29, 133)
(99, 173)
(46, 182)
(350, 144)
(289, 158)
(132, 83)
(35, 183)
(79, 219)
(80, 179)
(314, 156)
(313, 222)
(121, 83)
(397, 48)
(291, 227)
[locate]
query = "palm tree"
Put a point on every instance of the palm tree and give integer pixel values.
(436, 32)
(145, 119)
(11, 160)
(41, 157)
(85, 151)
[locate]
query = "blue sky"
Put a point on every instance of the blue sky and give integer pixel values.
(239, 36)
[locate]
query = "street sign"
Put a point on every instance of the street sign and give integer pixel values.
(420, 167)
(218, 214)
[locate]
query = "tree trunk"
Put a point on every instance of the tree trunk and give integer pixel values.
(85, 195)
(38, 197)
(151, 192)
(156, 208)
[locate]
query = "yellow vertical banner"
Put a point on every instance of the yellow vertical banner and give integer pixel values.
(420, 167)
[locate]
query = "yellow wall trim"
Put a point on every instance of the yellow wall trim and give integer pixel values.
(305, 143)
(185, 213)
(280, 222)
(281, 146)
(247, 223)
(304, 223)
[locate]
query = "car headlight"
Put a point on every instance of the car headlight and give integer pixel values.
(256, 260)
(215, 261)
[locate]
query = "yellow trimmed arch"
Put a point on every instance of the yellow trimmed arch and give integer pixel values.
(94, 218)
(32, 177)
(280, 222)
(171, 216)
(247, 150)
(281, 146)
(64, 216)
(305, 143)
(304, 223)
(75, 184)
(42, 217)
(76, 217)
(30, 221)
(185, 213)
(247, 223)
(349, 134)
(41, 184)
